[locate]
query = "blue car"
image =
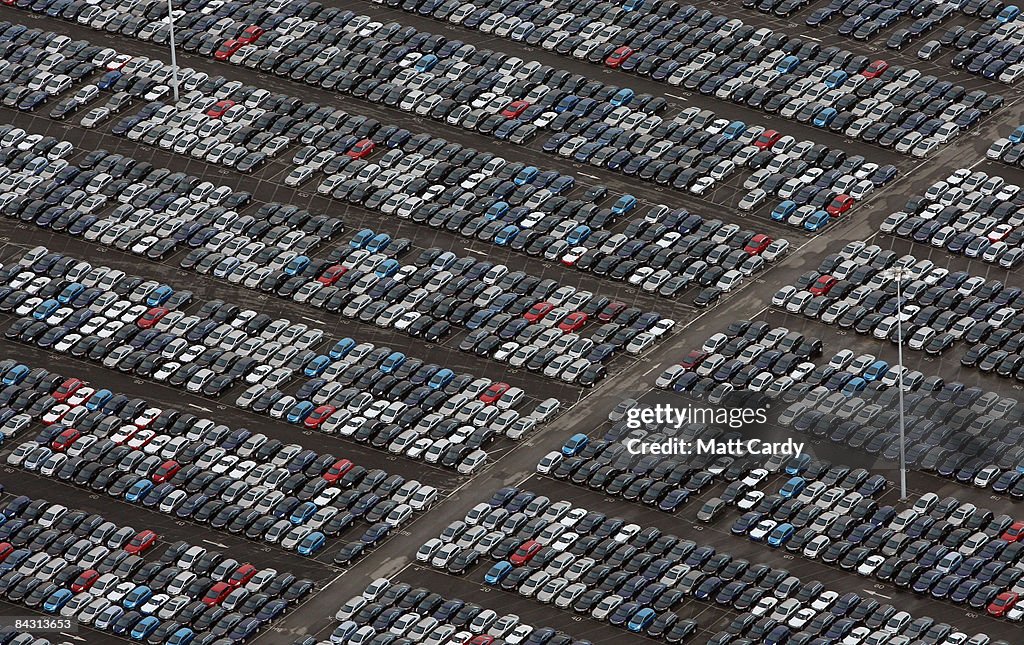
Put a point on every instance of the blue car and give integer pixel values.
(297, 265)
(575, 444)
(506, 235)
(392, 362)
(99, 399)
(798, 465)
(781, 534)
(567, 103)
(342, 348)
(498, 572)
(578, 235)
(876, 370)
(622, 97)
(300, 411)
(1017, 135)
(426, 63)
(183, 636)
(783, 210)
(624, 204)
(16, 374)
(388, 268)
(361, 239)
(157, 297)
(787, 64)
(311, 543)
(378, 243)
(835, 79)
(302, 513)
(793, 487)
(641, 620)
(317, 366)
(496, 210)
(137, 597)
(825, 117)
(526, 176)
(440, 379)
(56, 600)
(70, 292)
(854, 386)
(735, 129)
(45, 309)
(144, 628)
(107, 80)
(817, 221)
(138, 490)
(1009, 12)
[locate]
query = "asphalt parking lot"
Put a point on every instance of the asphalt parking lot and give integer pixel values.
(585, 410)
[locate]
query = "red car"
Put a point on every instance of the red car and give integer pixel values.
(318, 416)
(525, 553)
(64, 440)
(1003, 603)
(482, 639)
(767, 139)
(227, 49)
(1014, 533)
(338, 470)
(142, 542)
(840, 204)
(493, 393)
(514, 109)
(166, 470)
(693, 359)
(217, 593)
(611, 310)
(618, 57)
(67, 388)
(875, 69)
(152, 317)
(218, 109)
(85, 580)
(757, 244)
(242, 575)
(538, 311)
(823, 285)
(362, 149)
(6, 548)
(251, 34)
(332, 274)
(573, 322)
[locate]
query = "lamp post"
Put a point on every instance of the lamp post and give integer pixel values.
(896, 273)
(174, 58)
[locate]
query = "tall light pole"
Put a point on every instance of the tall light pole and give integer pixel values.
(174, 58)
(896, 273)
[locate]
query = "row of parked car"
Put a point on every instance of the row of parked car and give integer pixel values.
(697, 152)
(388, 608)
(568, 234)
(968, 213)
(124, 321)
(934, 309)
(71, 564)
(938, 416)
(942, 548)
(994, 50)
(865, 22)
(243, 482)
(798, 78)
(748, 356)
(404, 405)
(636, 577)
